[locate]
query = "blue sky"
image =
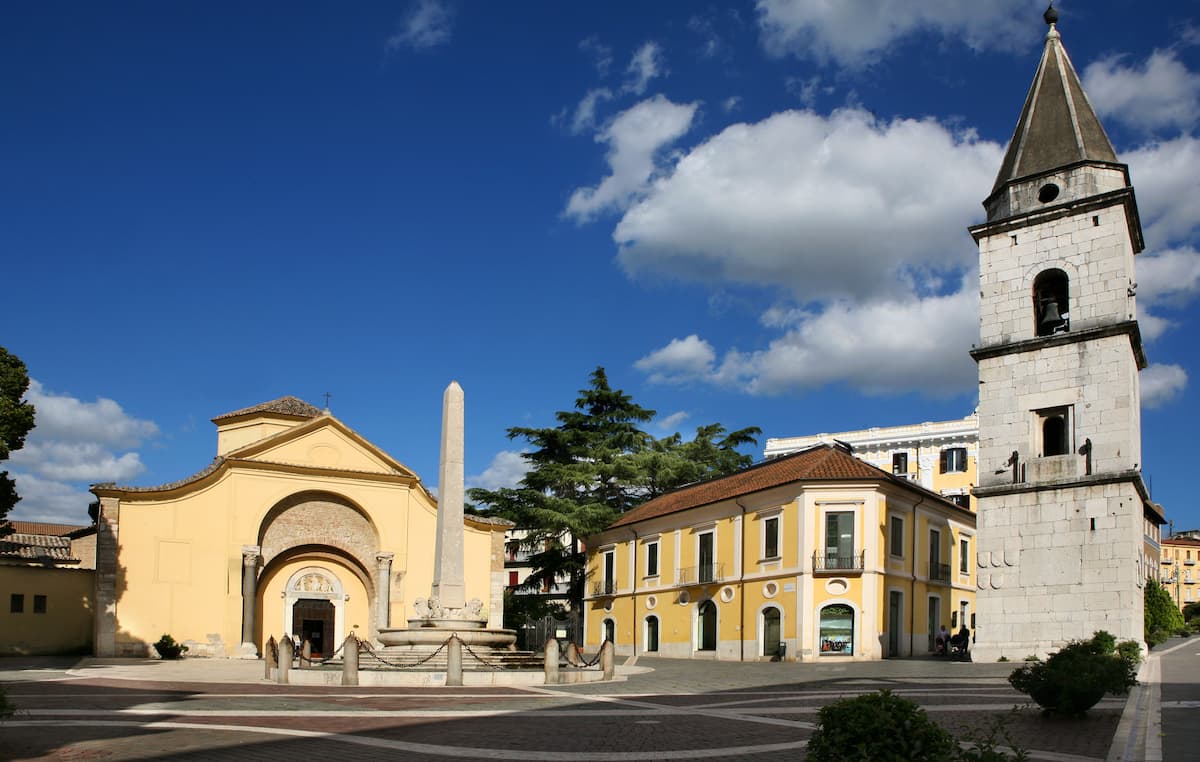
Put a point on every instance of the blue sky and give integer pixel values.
(753, 213)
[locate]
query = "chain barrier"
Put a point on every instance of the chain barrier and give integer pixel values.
(595, 661)
(480, 659)
(333, 655)
(368, 649)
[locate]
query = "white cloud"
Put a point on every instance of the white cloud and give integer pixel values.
(854, 33)
(1166, 175)
(507, 468)
(87, 462)
(731, 103)
(634, 138)
(646, 64)
(679, 361)
(829, 207)
(74, 443)
(1171, 276)
(601, 54)
(425, 25)
(882, 347)
(584, 118)
(1157, 93)
(1162, 383)
(61, 417)
(671, 422)
(1167, 279)
(51, 501)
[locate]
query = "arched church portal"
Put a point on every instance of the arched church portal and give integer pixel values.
(314, 609)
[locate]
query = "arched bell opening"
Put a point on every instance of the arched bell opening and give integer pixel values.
(1051, 302)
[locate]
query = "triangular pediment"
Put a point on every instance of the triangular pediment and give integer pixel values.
(322, 443)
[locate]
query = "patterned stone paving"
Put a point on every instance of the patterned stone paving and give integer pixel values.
(667, 710)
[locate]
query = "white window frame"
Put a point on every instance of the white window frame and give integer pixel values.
(777, 517)
(893, 520)
(657, 558)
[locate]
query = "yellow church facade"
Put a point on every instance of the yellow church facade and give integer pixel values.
(809, 557)
(299, 527)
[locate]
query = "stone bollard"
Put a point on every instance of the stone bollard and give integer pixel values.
(270, 657)
(306, 655)
(285, 658)
(350, 661)
(551, 662)
(573, 657)
(606, 659)
(454, 661)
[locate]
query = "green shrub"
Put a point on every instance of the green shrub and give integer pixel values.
(1163, 618)
(1130, 651)
(1075, 678)
(168, 649)
(878, 727)
(1105, 641)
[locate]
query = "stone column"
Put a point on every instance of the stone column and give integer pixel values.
(250, 556)
(383, 590)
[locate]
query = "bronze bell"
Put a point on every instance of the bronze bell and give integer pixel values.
(1051, 320)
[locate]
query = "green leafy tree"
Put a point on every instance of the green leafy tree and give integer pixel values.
(593, 466)
(1163, 617)
(16, 419)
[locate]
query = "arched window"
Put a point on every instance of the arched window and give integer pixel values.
(1051, 302)
(771, 632)
(837, 630)
(651, 633)
(706, 626)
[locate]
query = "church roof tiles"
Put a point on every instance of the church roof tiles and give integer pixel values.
(289, 406)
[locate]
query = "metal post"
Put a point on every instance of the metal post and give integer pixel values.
(454, 669)
(551, 662)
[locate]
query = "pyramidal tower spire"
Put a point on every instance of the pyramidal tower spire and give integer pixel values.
(1057, 128)
(1063, 511)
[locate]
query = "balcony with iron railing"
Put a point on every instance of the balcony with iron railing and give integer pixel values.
(939, 572)
(701, 574)
(839, 562)
(604, 587)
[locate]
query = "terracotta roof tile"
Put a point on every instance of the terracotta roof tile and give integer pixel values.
(1182, 541)
(41, 527)
(289, 406)
(820, 463)
(36, 547)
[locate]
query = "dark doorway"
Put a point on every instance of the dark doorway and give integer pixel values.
(312, 620)
(652, 633)
(707, 621)
(772, 635)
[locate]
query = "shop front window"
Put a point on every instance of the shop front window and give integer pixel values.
(837, 630)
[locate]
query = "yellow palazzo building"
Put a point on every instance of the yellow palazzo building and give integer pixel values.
(299, 527)
(811, 556)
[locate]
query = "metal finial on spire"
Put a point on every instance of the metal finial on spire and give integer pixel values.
(1051, 15)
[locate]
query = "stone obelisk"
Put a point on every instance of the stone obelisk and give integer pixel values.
(448, 578)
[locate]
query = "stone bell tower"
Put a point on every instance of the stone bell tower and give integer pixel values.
(1061, 500)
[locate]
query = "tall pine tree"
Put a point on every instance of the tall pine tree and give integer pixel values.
(16, 419)
(595, 465)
